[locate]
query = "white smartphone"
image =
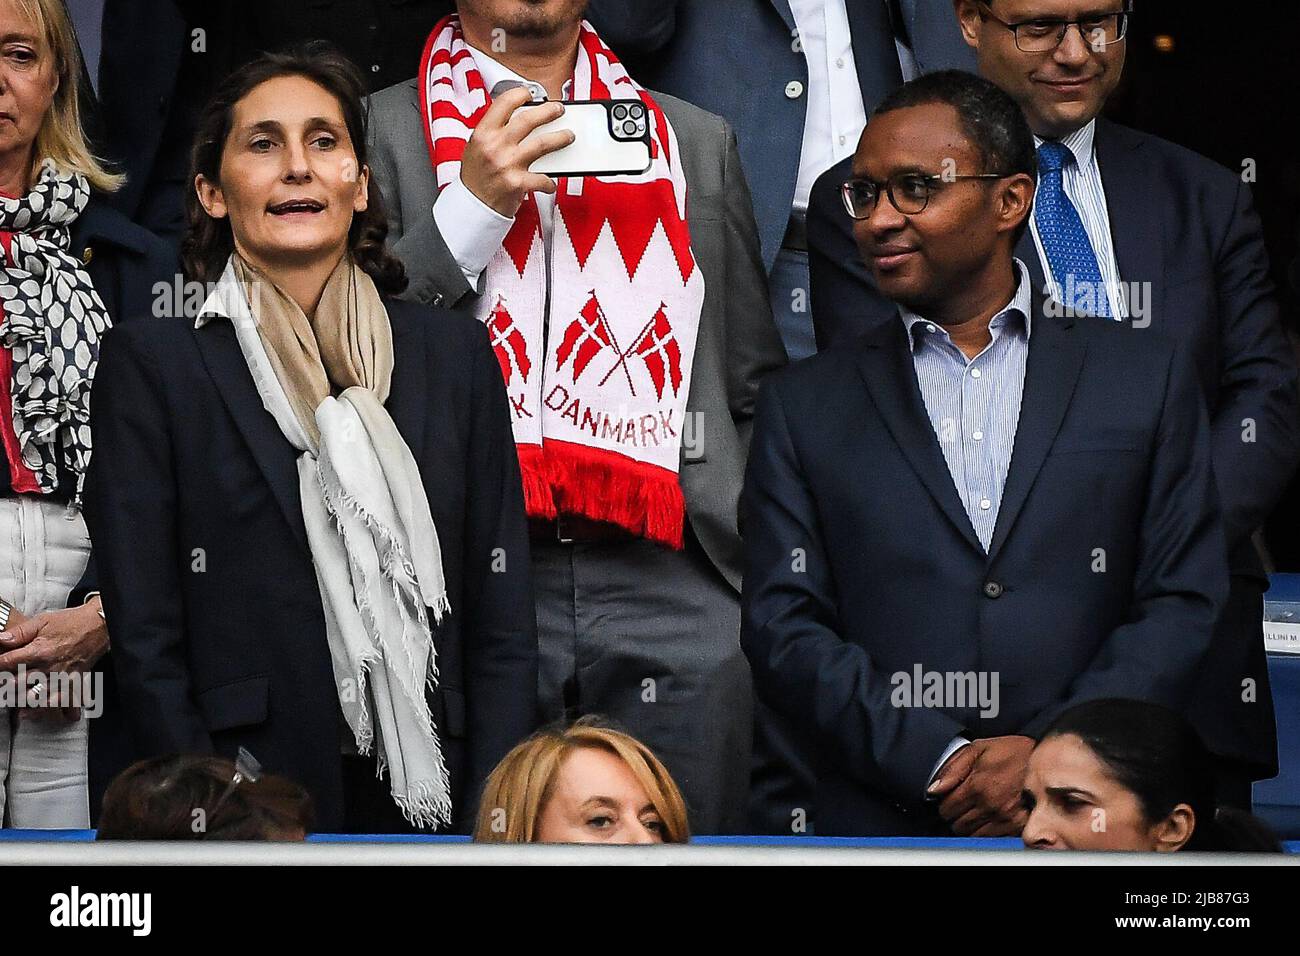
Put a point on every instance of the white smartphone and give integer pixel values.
(611, 138)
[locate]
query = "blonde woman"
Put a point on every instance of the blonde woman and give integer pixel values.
(586, 783)
(69, 266)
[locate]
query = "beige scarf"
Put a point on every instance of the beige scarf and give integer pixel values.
(369, 528)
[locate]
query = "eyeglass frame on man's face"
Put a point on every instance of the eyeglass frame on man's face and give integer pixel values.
(929, 181)
(1063, 27)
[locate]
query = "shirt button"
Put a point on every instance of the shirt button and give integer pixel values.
(839, 61)
(978, 436)
(842, 139)
(985, 504)
(992, 589)
(975, 373)
(793, 90)
(374, 67)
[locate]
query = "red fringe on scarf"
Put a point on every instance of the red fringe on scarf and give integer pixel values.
(539, 502)
(641, 498)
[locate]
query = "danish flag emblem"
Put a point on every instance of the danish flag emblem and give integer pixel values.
(658, 348)
(508, 342)
(585, 338)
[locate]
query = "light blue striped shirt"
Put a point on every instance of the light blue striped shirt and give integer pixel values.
(974, 404)
(1082, 183)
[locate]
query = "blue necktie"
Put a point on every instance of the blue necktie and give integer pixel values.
(1069, 253)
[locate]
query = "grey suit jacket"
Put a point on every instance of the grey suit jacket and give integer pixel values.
(738, 343)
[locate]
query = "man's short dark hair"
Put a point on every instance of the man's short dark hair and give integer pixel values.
(989, 118)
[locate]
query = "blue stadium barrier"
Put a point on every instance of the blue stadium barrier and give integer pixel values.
(902, 843)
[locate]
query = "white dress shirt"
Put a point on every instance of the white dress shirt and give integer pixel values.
(1082, 182)
(835, 115)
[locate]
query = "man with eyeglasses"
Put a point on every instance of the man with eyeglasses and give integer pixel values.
(1133, 228)
(919, 602)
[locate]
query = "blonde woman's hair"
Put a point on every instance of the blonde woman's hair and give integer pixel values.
(61, 137)
(516, 792)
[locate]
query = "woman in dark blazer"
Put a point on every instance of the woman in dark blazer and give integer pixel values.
(305, 500)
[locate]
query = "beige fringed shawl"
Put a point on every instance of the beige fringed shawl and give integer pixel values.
(373, 543)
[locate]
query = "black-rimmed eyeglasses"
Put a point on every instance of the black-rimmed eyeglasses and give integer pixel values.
(908, 192)
(1045, 34)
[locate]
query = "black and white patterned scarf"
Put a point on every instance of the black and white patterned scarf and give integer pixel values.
(53, 322)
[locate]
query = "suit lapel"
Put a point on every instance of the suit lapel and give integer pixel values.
(874, 53)
(1055, 358)
(275, 457)
(783, 10)
(1136, 223)
(408, 397)
(886, 367)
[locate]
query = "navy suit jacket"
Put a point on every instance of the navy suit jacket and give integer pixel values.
(736, 57)
(218, 635)
(160, 60)
(1187, 226)
(124, 261)
(862, 562)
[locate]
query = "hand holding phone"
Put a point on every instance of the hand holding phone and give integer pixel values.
(496, 161)
(610, 138)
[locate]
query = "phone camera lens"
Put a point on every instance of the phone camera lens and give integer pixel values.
(620, 112)
(636, 110)
(630, 128)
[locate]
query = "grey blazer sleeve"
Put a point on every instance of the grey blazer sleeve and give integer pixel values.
(399, 164)
(754, 346)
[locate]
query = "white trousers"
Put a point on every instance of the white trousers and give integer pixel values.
(43, 779)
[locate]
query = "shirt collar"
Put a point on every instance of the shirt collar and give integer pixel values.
(1019, 308)
(1079, 143)
(493, 71)
(225, 299)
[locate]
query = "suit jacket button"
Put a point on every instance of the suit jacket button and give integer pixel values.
(87, 254)
(992, 589)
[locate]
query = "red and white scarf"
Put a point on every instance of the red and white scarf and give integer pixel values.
(598, 386)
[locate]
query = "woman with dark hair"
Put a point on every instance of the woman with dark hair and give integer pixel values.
(307, 508)
(1130, 775)
(187, 797)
